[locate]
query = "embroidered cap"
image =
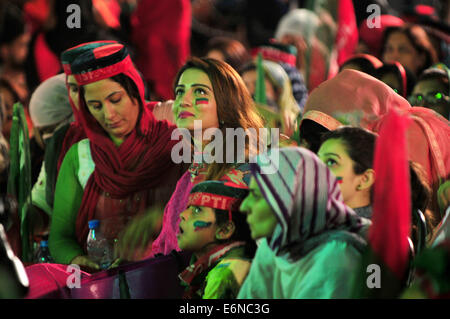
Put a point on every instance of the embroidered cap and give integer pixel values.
(218, 195)
(101, 63)
(69, 55)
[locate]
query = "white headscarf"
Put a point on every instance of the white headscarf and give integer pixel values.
(49, 103)
(300, 22)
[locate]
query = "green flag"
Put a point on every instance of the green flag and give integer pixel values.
(260, 90)
(19, 179)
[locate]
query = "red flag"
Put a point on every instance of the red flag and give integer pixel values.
(388, 236)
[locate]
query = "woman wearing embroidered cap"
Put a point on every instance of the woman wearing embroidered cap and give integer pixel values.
(123, 168)
(312, 242)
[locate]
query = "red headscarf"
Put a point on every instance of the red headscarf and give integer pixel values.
(141, 161)
(75, 132)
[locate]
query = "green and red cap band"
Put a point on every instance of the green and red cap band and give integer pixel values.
(217, 195)
(101, 63)
(277, 52)
(69, 55)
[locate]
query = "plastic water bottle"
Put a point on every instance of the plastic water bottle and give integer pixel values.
(43, 255)
(98, 247)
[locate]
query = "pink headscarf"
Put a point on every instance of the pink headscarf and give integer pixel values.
(352, 98)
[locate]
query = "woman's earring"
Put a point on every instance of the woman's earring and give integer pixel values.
(222, 122)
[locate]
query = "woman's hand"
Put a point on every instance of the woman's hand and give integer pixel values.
(85, 261)
(134, 240)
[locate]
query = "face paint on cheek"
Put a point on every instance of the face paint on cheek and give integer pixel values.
(199, 225)
(339, 179)
(201, 101)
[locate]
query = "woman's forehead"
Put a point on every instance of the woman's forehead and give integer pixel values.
(194, 76)
(102, 88)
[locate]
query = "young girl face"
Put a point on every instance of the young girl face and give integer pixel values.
(197, 228)
(194, 100)
(260, 216)
(334, 154)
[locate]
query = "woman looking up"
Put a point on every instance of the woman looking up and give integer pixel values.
(122, 169)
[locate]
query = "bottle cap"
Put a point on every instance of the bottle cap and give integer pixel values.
(93, 223)
(44, 243)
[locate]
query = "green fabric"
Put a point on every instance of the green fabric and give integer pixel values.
(19, 179)
(260, 89)
(68, 195)
(327, 271)
(52, 151)
(221, 282)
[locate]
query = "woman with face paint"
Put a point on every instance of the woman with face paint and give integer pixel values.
(123, 168)
(348, 152)
(212, 92)
(216, 232)
(311, 242)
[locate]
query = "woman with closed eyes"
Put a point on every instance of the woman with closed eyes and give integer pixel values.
(122, 169)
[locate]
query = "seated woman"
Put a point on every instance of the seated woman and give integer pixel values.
(348, 152)
(218, 235)
(410, 45)
(122, 169)
(50, 111)
(212, 92)
(311, 242)
(398, 77)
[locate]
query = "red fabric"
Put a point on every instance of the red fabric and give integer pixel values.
(109, 11)
(140, 162)
(388, 235)
(47, 278)
(357, 99)
(47, 63)
(428, 143)
(373, 37)
(161, 35)
(347, 33)
(36, 12)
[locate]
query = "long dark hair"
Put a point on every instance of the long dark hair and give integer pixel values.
(235, 106)
(359, 143)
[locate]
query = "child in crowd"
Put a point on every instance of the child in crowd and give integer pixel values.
(216, 232)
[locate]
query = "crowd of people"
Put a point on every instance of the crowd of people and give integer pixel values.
(345, 160)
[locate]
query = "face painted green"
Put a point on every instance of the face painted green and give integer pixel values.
(197, 228)
(195, 100)
(333, 153)
(199, 224)
(260, 216)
